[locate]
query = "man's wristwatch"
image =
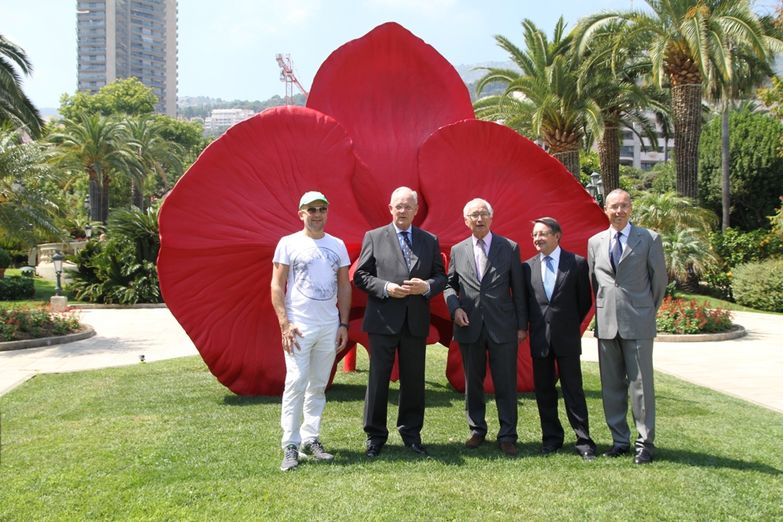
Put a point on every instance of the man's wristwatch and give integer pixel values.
(343, 325)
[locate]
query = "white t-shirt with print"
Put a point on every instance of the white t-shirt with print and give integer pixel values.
(311, 293)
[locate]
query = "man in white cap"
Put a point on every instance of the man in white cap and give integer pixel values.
(311, 295)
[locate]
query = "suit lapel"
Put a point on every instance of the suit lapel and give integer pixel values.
(563, 266)
(391, 234)
(416, 252)
(603, 250)
(633, 240)
(535, 277)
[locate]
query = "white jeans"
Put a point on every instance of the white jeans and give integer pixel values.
(307, 373)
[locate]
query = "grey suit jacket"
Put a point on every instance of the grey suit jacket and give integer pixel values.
(555, 325)
(626, 301)
(498, 300)
(380, 262)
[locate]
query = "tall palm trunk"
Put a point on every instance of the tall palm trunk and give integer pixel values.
(725, 160)
(95, 196)
(686, 109)
(137, 196)
(105, 199)
(570, 160)
(609, 157)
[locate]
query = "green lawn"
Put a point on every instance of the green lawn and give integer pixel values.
(44, 289)
(165, 441)
(714, 302)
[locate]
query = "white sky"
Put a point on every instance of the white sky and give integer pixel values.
(229, 51)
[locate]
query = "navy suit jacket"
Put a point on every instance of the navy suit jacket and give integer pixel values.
(555, 324)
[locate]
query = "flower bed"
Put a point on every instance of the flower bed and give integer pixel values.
(21, 323)
(688, 316)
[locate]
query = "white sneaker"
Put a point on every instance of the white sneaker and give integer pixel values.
(290, 458)
(316, 450)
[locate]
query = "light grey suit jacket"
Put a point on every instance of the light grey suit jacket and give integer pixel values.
(497, 301)
(626, 301)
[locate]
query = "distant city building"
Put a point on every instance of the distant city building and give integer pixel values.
(124, 38)
(221, 119)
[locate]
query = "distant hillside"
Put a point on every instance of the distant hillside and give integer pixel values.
(201, 106)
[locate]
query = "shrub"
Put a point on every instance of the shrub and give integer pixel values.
(15, 288)
(5, 258)
(122, 268)
(21, 323)
(760, 285)
(734, 248)
(687, 316)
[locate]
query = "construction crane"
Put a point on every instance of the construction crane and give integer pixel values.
(287, 75)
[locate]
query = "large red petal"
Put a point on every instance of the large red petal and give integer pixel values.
(475, 158)
(221, 223)
(391, 90)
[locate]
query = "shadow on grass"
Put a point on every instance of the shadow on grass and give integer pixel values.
(706, 460)
(454, 454)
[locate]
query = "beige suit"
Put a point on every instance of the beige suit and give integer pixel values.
(626, 301)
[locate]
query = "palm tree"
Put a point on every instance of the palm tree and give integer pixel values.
(612, 78)
(686, 259)
(685, 231)
(544, 93)
(27, 213)
(99, 147)
(688, 42)
(15, 106)
(155, 154)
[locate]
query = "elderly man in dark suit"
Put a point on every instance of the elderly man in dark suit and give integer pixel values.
(628, 274)
(558, 290)
(486, 298)
(401, 269)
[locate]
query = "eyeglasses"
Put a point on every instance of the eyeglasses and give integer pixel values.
(476, 215)
(316, 210)
(541, 234)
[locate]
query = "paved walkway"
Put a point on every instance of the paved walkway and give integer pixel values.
(122, 335)
(749, 368)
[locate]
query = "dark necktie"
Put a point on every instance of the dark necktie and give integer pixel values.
(405, 245)
(617, 251)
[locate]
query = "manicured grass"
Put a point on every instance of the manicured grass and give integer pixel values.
(44, 289)
(165, 441)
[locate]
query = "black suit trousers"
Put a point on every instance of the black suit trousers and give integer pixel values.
(410, 415)
(544, 378)
(503, 365)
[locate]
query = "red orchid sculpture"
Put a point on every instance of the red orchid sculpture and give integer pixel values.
(385, 110)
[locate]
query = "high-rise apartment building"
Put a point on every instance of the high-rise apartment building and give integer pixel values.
(124, 38)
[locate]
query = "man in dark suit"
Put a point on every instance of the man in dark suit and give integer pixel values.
(486, 298)
(628, 274)
(558, 290)
(400, 268)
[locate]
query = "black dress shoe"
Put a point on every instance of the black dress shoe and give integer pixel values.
(616, 451)
(587, 455)
(418, 448)
(643, 456)
(373, 450)
(548, 450)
